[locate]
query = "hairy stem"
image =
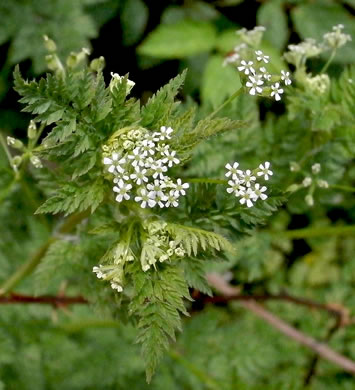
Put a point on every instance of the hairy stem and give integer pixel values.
(325, 67)
(229, 100)
(7, 152)
(27, 268)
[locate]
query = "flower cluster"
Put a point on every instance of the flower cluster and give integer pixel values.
(259, 81)
(252, 64)
(298, 54)
(243, 183)
(158, 246)
(310, 181)
(138, 164)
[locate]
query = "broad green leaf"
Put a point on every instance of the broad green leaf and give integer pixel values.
(314, 20)
(179, 40)
(272, 16)
(219, 82)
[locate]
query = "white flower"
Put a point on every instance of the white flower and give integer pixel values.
(247, 67)
(148, 147)
(232, 169)
(248, 197)
(285, 77)
(235, 187)
(152, 137)
(98, 272)
(264, 170)
(116, 286)
(246, 177)
(172, 199)
(180, 187)
(307, 181)
(114, 163)
(260, 56)
(118, 178)
(265, 73)
(157, 187)
(165, 132)
(148, 162)
(254, 84)
(122, 190)
(162, 148)
(170, 158)
(160, 198)
(259, 191)
(145, 198)
(276, 91)
(139, 175)
(137, 157)
(158, 169)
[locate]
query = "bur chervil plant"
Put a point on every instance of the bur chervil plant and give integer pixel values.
(139, 221)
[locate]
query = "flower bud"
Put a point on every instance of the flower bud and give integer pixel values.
(32, 130)
(117, 79)
(293, 188)
(16, 161)
(14, 143)
(309, 200)
(322, 183)
(49, 44)
(97, 64)
(36, 162)
(307, 181)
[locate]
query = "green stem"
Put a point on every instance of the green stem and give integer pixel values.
(7, 152)
(206, 180)
(28, 267)
(202, 376)
(33, 142)
(315, 232)
(230, 99)
(5, 192)
(325, 67)
(340, 187)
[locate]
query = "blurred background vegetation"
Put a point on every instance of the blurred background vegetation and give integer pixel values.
(69, 347)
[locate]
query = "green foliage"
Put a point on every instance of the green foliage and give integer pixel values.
(179, 40)
(25, 23)
(150, 264)
(157, 303)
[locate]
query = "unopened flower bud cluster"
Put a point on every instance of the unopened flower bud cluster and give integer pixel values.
(298, 54)
(138, 162)
(158, 246)
(244, 185)
(310, 181)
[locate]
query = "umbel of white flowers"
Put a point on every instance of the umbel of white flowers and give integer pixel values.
(257, 78)
(157, 247)
(244, 185)
(139, 163)
(252, 65)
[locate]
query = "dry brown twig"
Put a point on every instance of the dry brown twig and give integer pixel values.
(319, 348)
